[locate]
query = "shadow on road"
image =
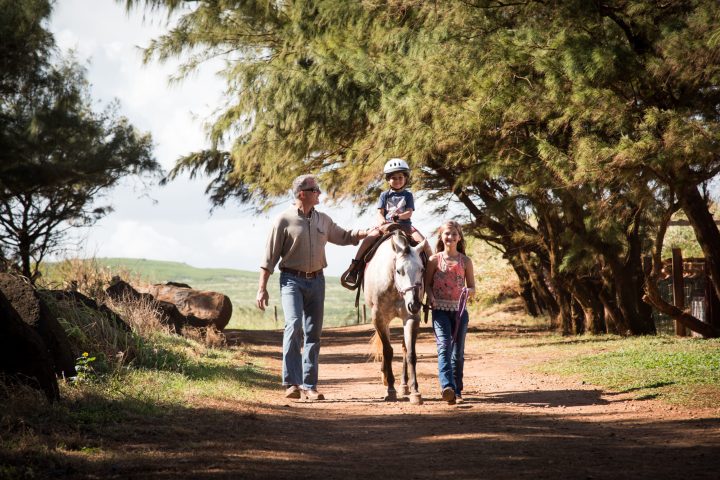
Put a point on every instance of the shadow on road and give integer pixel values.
(459, 443)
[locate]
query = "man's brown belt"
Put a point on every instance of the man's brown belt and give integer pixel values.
(298, 273)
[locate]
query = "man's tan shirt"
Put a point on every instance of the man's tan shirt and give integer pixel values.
(298, 242)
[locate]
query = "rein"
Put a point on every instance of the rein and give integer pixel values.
(462, 303)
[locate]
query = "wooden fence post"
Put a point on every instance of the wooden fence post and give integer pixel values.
(678, 288)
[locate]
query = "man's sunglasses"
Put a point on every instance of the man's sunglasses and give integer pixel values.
(314, 189)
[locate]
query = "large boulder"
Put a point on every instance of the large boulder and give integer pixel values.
(120, 290)
(23, 354)
(202, 308)
(35, 313)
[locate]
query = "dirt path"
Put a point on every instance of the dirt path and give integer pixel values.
(513, 424)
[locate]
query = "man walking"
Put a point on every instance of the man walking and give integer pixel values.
(297, 241)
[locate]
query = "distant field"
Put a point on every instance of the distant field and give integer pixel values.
(495, 281)
(241, 287)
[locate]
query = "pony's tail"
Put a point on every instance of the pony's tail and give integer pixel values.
(376, 348)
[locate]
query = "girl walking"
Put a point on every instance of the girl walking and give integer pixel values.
(449, 282)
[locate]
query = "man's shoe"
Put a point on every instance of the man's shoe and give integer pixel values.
(458, 398)
(293, 391)
(448, 395)
(312, 394)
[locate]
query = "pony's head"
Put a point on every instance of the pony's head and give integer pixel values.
(408, 272)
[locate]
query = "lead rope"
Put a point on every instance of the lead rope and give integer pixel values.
(462, 303)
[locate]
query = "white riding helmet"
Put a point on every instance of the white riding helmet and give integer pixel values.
(396, 165)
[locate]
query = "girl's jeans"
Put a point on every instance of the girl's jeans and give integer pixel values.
(451, 357)
(302, 301)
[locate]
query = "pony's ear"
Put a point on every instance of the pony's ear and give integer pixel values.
(420, 246)
(399, 244)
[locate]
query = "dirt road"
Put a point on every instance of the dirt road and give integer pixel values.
(513, 424)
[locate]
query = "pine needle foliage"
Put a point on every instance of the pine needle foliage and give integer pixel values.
(566, 128)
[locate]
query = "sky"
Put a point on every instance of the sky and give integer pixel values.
(172, 222)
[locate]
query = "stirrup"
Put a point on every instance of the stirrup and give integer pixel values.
(350, 279)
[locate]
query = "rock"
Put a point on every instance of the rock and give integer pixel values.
(24, 357)
(202, 308)
(169, 313)
(35, 313)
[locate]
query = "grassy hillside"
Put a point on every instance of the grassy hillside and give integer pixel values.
(239, 285)
(495, 281)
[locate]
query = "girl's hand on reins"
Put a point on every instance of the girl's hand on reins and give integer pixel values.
(430, 300)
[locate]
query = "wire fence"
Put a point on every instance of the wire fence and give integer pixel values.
(695, 300)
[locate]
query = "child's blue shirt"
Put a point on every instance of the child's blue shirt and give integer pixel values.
(392, 203)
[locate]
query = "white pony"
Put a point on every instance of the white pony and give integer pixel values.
(394, 288)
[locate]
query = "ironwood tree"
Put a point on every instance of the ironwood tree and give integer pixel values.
(25, 44)
(566, 128)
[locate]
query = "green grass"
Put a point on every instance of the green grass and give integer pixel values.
(171, 376)
(678, 370)
(240, 286)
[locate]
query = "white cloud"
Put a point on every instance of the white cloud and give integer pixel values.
(135, 239)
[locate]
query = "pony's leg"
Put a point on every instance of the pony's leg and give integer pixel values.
(384, 334)
(410, 336)
(405, 390)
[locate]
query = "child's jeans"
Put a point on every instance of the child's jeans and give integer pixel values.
(451, 356)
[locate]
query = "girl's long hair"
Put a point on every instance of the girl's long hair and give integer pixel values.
(440, 246)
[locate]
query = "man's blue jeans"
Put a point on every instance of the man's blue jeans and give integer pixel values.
(303, 301)
(451, 357)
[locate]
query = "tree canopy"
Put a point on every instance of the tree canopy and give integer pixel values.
(569, 130)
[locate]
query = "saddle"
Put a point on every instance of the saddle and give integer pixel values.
(388, 230)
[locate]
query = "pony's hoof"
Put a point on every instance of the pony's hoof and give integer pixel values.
(416, 399)
(405, 390)
(391, 397)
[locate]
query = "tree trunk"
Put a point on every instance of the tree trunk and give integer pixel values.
(542, 308)
(706, 232)
(540, 286)
(694, 324)
(565, 319)
(587, 295)
(614, 321)
(24, 253)
(636, 313)
(526, 290)
(643, 323)
(578, 317)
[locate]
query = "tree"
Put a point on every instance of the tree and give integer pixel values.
(26, 43)
(564, 127)
(60, 157)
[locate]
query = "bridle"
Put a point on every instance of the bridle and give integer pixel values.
(415, 288)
